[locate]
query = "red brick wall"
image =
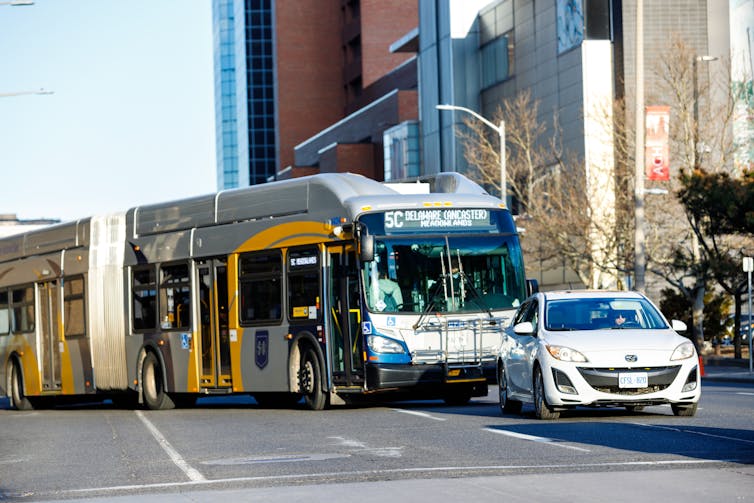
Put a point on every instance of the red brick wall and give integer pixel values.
(309, 71)
(349, 158)
(382, 23)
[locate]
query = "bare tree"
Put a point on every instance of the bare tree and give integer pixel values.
(702, 111)
(569, 218)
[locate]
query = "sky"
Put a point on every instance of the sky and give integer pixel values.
(131, 117)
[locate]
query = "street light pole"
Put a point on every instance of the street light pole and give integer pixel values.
(697, 142)
(640, 259)
(500, 130)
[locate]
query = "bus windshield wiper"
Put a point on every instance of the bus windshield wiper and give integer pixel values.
(430, 304)
(478, 300)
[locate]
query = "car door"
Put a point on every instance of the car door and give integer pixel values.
(521, 349)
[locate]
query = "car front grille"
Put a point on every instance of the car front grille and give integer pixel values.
(606, 379)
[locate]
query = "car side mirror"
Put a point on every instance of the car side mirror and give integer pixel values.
(524, 328)
(678, 325)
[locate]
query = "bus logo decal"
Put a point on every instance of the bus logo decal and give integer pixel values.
(366, 328)
(261, 351)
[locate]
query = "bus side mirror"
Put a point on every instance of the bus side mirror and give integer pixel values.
(366, 247)
(532, 286)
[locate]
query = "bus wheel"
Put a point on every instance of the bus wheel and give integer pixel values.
(310, 380)
(18, 400)
(152, 387)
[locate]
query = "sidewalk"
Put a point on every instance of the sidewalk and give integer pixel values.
(717, 368)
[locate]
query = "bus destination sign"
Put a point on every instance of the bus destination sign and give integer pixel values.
(445, 219)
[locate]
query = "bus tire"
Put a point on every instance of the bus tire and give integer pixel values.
(18, 400)
(310, 380)
(152, 385)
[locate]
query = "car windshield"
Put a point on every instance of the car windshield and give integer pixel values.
(602, 313)
(444, 275)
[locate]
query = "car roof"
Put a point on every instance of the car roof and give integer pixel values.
(591, 294)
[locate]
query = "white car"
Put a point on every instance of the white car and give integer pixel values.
(595, 348)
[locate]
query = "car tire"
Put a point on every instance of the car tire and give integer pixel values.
(684, 410)
(507, 405)
(542, 409)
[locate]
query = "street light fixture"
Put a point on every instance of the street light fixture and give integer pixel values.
(500, 130)
(22, 93)
(18, 3)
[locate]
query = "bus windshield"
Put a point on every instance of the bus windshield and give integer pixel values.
(444, 274)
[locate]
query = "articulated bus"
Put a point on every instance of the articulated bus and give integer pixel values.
(324, 288)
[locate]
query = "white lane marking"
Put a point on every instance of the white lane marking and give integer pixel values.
(420, 414)
(533, 438)
(291, 458)
(357, 447)
(192, 473)
(744, 393)
(440, 469)
(700, 433)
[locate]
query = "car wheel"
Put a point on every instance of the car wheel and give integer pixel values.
(541, 408)
(507, 406)
(684, 410)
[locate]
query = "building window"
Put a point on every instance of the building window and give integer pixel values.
(261, 292)
(496, 41)
(496, 60)
(401, 151)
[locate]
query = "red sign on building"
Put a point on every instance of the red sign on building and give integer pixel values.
(657, 151)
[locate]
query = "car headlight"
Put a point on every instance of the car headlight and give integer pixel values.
(566, 354)
(685, 350)
(380, 344)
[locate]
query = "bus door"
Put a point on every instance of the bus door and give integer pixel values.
(214, 339)
(50, 344)
(344, 317)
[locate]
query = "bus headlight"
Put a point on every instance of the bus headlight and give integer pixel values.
(379, 344)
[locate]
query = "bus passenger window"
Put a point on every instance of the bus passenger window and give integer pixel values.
(303, 284)
(144, 299)
(4, 313)
(260, 287)
(175, 297)
(73, 305)
(22, 310)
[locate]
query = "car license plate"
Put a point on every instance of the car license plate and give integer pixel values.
(632, 380)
